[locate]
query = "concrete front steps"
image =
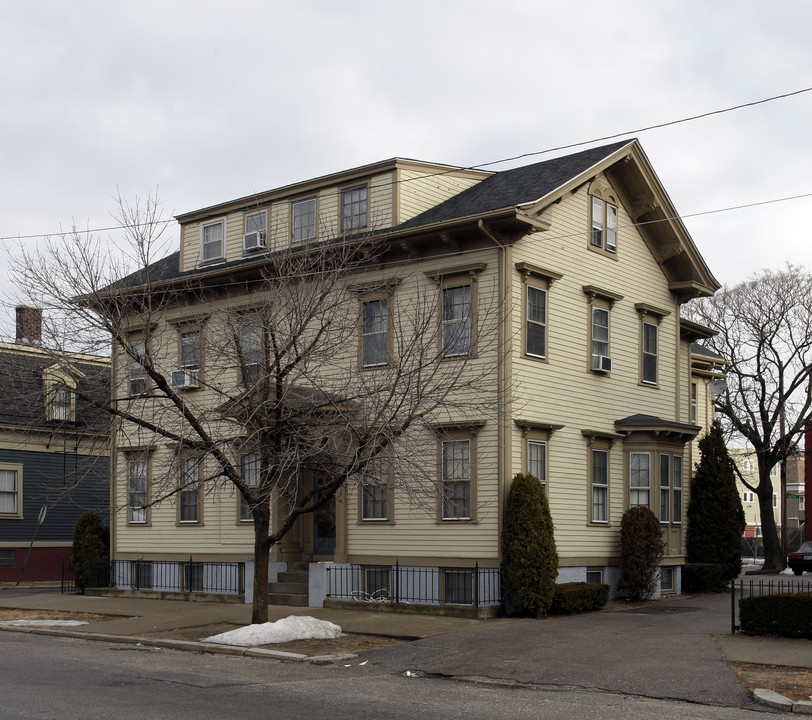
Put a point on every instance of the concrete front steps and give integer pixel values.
(292, 587)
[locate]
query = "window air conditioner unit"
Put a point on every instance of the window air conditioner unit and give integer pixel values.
(602, 363)
(184, 379)
(253, 240)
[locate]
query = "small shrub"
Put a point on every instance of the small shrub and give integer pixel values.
(703, 577)
(88, 547)
(641, 548)
(786, 615)
(578, 597)
(529, 556)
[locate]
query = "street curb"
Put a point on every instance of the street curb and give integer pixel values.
(184, 645)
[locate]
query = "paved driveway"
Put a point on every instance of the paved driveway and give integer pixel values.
(662, 650)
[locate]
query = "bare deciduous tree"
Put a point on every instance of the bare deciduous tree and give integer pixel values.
(764, 328)
(273, 354)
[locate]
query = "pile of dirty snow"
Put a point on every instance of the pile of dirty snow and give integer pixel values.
(294, 627)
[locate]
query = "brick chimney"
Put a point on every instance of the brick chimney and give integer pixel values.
(29, 325)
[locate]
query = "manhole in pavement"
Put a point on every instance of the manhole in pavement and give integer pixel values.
(661, 610)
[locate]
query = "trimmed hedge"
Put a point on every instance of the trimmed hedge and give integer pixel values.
(578, 597)
(785, 615)
(703, 577)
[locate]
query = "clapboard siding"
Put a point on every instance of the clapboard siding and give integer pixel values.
(69, 484)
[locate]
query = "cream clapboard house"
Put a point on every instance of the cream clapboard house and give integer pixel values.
(599, 393)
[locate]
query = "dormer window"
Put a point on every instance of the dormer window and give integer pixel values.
(61, 404)
(255, 229)
(303, 219)
(354, 208)
(212, 240)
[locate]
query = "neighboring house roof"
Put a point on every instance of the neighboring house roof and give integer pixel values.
(700, 349)
(23, 372)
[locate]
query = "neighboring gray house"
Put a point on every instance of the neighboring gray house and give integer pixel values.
(54, 451)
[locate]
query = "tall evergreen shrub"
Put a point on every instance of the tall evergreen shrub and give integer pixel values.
(88, 547)
(715, 515)
(641, 549)
(529, 555)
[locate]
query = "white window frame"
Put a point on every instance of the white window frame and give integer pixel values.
(694, 407)
(137, 488)
(600, 487)
(604, 224)
(11, 491)
(251, 352)
(219, 251)
(303, 219)
(189, 490)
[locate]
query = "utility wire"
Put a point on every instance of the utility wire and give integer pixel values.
(505, 160)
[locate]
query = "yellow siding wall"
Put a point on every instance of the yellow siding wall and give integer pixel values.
(562, 390)
(421, 189)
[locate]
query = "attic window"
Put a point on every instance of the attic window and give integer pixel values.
(604, 225)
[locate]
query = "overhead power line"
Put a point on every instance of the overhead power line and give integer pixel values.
(491, 163)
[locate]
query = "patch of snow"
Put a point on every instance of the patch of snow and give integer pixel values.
(58, 623)
(787, 571)
(294, 627)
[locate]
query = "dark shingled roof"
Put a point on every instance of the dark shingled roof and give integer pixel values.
(700, 349)
(510, 188)
(22, 402)
(504, 189)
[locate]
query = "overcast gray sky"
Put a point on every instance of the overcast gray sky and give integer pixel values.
(210, 101)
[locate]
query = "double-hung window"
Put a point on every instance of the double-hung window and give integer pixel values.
(456, 328)
(250, 466)
(137, 372)
(676, 481)
(190, 356)
(375, 490)
(693, 404)
(537, 461)
(61, 403)
(375, 332)
(255, 230)
(604, 225)
(456, 480)
(10, 492)
(650, 353)
(212, 240)
(251, 352)
(137, 500)
(354, 208)
(600, 486)
(536, 338)
(639, 479)
(665, 487)
(600, 332)
(188, 490)
(303, 219)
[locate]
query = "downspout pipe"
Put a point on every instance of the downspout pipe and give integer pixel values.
(502, 372)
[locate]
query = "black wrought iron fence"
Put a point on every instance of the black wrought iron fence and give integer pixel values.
(748, 588)
(162, 575)
(476, 587)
